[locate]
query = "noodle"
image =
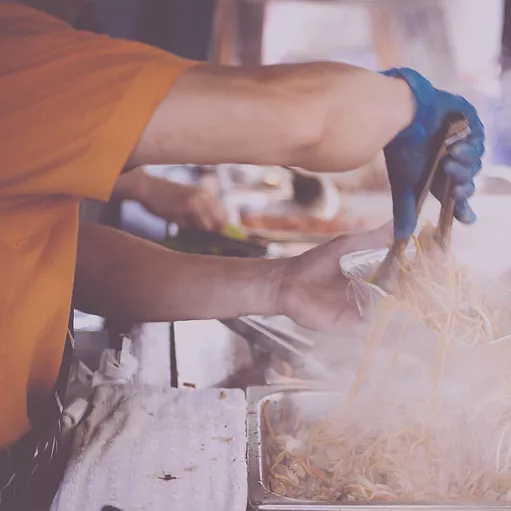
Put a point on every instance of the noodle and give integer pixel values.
(387, 307)
(439, 292)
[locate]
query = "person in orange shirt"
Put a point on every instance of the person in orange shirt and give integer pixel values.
(78, 108)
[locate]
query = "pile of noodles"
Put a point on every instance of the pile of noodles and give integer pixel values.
(381, 446)
(441, 293)
(395, 452)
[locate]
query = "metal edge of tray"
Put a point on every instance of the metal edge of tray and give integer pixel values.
(261, 499)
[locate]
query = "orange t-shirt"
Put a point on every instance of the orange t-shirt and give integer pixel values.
(73, 106)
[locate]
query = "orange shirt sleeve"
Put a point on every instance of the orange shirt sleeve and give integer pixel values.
(74, 104)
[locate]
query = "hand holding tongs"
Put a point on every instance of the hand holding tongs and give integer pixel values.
(454, 128)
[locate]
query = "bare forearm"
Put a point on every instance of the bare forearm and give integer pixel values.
(124, 278)
(319, 116)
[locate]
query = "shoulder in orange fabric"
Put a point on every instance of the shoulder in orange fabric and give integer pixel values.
(73, 107)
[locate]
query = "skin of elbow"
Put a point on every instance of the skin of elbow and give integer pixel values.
(322, 141)
(314, 121)
(294, 108)
(306, 124)
(333, 119)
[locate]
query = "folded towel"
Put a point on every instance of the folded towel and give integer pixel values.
(166, 449)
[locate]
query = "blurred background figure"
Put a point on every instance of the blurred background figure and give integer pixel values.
(184, 205)
(146, 201)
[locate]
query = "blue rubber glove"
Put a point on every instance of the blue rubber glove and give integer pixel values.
(408, 154)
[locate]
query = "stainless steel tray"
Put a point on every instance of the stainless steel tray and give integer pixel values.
(311, 400)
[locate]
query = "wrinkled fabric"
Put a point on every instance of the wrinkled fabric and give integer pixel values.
(143, 447)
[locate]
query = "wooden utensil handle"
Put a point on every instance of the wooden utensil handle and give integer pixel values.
(458, 130)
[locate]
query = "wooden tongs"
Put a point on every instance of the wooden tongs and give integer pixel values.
(454, 128)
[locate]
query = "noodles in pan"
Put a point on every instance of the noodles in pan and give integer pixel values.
(440, 292)
(394, 452)
(391, 448)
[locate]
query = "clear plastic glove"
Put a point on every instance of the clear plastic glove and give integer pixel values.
(407, 155)
(313, 292)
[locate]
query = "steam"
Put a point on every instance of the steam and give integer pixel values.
(419, 418)
(421, 438)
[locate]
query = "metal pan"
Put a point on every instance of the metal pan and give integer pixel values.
(313, 401)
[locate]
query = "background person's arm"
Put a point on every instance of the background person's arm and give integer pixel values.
(127, 279)
(319, 116)
(188, 206)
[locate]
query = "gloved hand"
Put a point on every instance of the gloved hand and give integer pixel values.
(408, 154)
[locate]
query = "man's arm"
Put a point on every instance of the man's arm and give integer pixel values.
(188, 206)
(126, 278)
(318, 116)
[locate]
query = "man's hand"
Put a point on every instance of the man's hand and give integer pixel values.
(314, 293)
(187, 206)
(408, 154)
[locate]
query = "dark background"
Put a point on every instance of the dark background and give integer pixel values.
(182, 27)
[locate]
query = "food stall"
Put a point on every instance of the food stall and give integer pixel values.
(319, 431)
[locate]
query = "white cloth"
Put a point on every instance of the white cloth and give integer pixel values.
(147, 448)
(111, 370)
(151, 347)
